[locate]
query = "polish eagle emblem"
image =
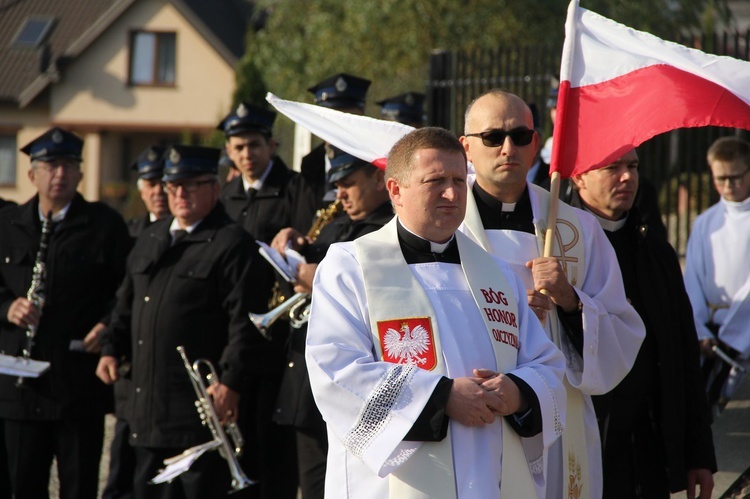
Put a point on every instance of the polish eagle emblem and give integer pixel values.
(408, 341)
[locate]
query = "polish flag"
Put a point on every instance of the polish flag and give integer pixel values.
(619, 87)
(363, 137)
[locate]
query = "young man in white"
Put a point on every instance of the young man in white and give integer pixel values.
(717, 273)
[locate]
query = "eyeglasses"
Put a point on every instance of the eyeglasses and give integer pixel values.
(732, 179)
(190, 186)
(54, 164)
(496, 138)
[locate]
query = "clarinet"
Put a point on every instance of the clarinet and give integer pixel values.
(35, 294)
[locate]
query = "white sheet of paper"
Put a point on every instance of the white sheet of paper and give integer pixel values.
(25, 368)
(177, 465)
(278, 262)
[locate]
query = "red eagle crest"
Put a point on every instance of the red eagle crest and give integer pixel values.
(408, 341)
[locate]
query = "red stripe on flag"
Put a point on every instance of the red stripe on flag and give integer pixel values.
(380, 163)
(602, 122)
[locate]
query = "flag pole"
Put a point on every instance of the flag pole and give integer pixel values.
(554, 195)
(560, 123)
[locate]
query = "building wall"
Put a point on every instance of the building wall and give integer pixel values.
(93, 99)
(94, 90)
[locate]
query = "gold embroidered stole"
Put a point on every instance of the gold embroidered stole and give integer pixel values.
(394, 295)
(569, 248)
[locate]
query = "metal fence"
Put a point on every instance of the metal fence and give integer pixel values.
(675, 162)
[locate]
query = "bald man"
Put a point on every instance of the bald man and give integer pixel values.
(585, 310)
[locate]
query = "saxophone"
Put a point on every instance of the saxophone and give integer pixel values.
(35, 294)
(323, 217)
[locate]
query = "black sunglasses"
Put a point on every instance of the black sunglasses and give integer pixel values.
(496, 138)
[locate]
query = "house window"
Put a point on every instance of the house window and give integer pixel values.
(8, 160)
(152, 58)
(33, 32)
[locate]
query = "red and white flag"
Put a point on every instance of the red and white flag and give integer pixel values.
(365, 138)
(619, 87)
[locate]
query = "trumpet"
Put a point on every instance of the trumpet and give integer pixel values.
(230, 451)
(295, 307)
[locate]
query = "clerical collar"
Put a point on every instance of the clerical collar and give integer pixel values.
(497, 215)
(608, 225)
(152, 218)
(735, 206)
(258, 184)
(57, 217)
(417, 249)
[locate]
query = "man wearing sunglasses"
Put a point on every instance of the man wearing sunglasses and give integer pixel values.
(187, 283)
(717, 275)
(585, 311)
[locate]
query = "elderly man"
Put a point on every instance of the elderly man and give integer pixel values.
(655, 425)
(717, 275)
(186, 284)
(60, 414)
(591, 320)
(149, 165)
(424, 358)
(362, 193)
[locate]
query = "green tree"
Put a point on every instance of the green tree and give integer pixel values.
(389, 42)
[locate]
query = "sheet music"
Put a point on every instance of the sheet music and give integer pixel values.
(179, 464)
(25, 368)
(287, 269)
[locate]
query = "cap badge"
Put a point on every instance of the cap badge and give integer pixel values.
(174, 156)
(57, 137)
(152, 156)
(340, 84)
(409, 100)
(242, 110)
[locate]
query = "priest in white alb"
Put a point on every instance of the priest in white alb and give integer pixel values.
(433, 375)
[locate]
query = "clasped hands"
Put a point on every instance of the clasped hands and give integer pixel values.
(477, 400)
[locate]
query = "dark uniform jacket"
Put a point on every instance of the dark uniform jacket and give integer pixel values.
(192, 294)
(122, 388)
(296, 406)
(265, 212)
(666, 378)
(138, 225)
(85, 264)
(308, 189)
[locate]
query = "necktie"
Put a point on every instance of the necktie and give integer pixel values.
(178, 236)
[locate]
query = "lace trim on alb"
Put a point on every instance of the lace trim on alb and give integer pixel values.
(537, 466)
(377, 409)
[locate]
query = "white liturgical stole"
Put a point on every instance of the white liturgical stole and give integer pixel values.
(568, 247)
